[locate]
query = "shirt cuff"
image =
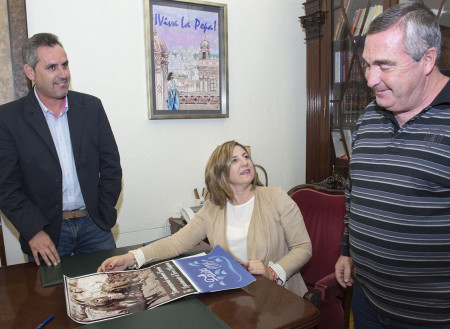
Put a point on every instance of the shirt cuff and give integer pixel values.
(138, 257)
(281, 273)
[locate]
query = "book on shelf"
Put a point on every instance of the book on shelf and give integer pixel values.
(374, 11)
(369, 19)
(340, 24)
(378, 11)
(350, 7)
(348, 140)
(346, 61)
(339, 140)
(339, 149)
(355, 101)
(338, 29)
(102, 296)
(347, 67)
(356, 75)
(359, 22)
(339, 66)
(355, 21)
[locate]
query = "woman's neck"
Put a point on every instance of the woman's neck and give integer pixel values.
(241, 196)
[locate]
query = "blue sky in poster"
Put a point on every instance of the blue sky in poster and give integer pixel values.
(215, 271)
(184, 28)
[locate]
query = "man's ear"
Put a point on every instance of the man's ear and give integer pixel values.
(29, 71)
(430, 60)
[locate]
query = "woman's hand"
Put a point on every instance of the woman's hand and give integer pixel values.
(255, 266)
(117, 263)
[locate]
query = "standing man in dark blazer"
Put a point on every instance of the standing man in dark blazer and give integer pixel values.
(60, 174)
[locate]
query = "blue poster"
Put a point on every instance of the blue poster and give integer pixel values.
(214, 271)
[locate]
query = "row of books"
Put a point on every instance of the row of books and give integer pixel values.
(355, 101)
(344, 68)
(358, 26)
(349, 119)
(353, 104)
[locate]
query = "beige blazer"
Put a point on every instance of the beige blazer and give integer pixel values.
(276, 233)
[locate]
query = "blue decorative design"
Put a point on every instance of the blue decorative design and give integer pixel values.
(215, 271)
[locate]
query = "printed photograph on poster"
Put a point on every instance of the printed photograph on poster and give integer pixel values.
(186, 52)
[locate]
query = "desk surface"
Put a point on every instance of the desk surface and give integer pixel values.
(24, 303)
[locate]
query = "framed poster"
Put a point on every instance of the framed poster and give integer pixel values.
(186, 53)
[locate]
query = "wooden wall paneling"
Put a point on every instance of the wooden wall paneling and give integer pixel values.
(318, 141)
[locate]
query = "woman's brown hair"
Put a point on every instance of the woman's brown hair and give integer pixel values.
(217, 173)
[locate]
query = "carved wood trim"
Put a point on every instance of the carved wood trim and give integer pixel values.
(311, 23)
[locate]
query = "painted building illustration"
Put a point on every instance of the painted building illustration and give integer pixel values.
(196, 74)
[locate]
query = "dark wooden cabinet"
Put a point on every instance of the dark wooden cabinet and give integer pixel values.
(336, 87)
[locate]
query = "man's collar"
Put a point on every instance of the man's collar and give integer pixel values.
(443, 97)
(45, 109)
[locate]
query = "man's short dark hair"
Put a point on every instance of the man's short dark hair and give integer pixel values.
(29, 49)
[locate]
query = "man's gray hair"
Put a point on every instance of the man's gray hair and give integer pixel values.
(421, 28)
(29, 49)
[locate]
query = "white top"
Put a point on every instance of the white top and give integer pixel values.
(238, 221)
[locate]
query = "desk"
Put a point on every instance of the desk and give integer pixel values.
(24, 303)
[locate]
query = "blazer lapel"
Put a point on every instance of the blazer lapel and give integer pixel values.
(76, 119)
(251, 237)
(35, 117)
(221, 228)
(257, 236)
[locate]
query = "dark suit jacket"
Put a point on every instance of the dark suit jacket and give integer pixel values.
(30, 173)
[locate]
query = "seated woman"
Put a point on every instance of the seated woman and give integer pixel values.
(261, 227)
